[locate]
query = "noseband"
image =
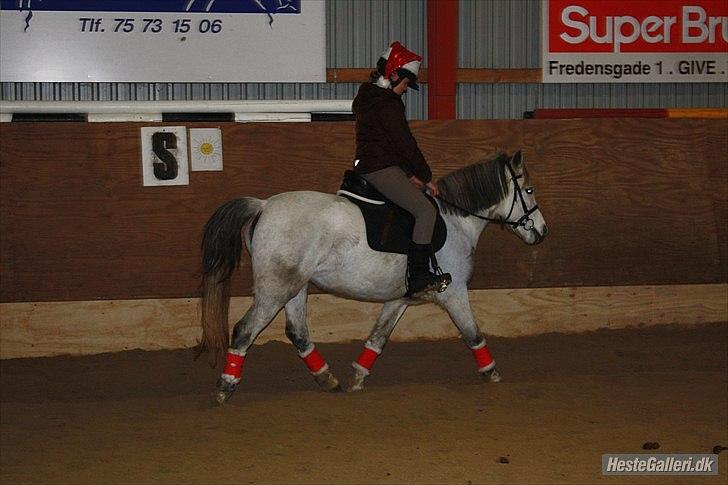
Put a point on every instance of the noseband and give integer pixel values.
(525, 220)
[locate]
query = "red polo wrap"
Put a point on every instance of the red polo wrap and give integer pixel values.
(482, 356)
(366, 358)
(234, 365)
(314, 361)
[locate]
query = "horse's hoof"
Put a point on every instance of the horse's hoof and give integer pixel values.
(225, 389)
(221, 397)
(492, 375)
(327, 381)
(356, 383)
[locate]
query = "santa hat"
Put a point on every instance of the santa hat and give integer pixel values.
(397, 58)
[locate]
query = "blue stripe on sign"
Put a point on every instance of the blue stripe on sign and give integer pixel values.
(172, 6)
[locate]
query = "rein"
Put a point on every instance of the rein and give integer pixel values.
(525, 219)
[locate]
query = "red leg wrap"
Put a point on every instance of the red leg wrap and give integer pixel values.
(234, 365)
(366, 358)
(314, 361)
(482, 357)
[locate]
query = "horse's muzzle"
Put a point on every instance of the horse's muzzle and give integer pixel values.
(540, 236)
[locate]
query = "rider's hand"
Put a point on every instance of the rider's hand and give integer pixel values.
(418, 183)
(433, 189)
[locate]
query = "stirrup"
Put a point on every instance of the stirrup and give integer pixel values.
(443, 279)
(439, 284)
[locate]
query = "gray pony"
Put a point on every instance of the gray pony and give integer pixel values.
(332, 252)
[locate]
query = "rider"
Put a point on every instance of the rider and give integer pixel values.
(388, 157)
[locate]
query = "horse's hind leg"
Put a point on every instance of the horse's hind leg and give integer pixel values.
(391, 313)
(297, 332)
(258, 316)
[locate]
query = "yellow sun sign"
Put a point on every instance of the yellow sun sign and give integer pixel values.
(206, 145)
(207, 149)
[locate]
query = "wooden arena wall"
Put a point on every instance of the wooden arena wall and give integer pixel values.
(636, 203)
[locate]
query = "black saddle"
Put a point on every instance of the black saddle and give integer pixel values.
(389, 227)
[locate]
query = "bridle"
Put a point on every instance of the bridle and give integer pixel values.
(524, 221)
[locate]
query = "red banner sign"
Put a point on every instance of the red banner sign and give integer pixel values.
(667, 35)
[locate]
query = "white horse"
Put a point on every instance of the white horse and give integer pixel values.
(299, 237)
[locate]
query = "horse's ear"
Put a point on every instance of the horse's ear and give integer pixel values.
(517, 159)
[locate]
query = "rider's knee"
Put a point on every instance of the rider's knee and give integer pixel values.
(426, 212)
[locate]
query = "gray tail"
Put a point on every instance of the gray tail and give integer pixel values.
(222, 248)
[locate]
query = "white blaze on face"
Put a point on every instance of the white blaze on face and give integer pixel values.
(512, 207)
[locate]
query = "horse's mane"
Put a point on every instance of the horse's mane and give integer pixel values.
(475, 187)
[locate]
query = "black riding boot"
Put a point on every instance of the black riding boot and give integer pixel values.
(419, 277)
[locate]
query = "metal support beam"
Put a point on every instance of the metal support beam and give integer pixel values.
(442, 58)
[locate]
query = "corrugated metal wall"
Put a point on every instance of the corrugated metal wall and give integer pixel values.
(499, 101)
(357, 31)
(493, 34)
(499, 34)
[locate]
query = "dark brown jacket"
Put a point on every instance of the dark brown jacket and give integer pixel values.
(383, 137)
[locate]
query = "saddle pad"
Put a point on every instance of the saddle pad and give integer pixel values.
(389, 227)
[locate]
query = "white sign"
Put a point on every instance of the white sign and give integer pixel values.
(629, 41)
(162, 41)
(164, 156)
(206, 149)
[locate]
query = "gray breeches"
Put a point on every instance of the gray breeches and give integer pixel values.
(394, 184)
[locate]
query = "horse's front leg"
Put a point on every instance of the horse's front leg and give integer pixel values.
(391, 313)
(297, 333)
(457, 304)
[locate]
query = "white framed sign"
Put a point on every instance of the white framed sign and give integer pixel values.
(162, 41)
(206, 149)
(627, 41)
(164, 156)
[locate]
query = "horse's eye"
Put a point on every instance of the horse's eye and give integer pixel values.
(529, 190)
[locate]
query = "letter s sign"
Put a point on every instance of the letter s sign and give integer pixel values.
(165, 160)
(165, 165)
